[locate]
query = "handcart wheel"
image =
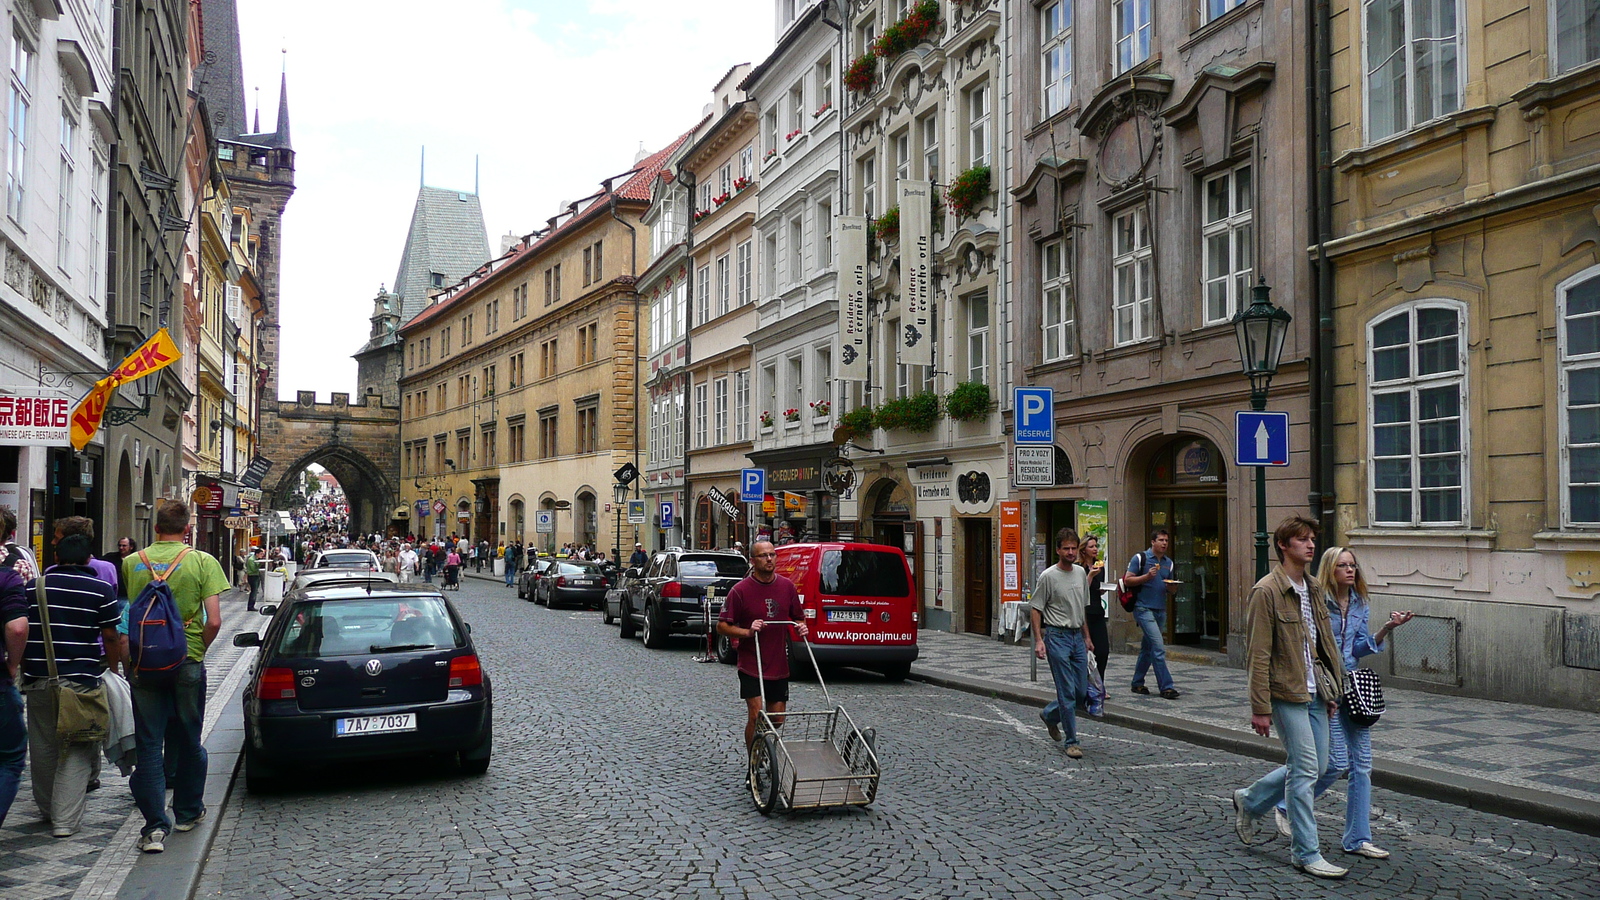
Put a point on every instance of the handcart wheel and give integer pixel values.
(764, 773)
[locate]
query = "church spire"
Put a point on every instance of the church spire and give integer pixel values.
(282, 131)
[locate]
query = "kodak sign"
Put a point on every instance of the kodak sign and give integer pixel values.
(152, 356)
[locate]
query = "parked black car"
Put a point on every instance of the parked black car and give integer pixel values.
(359, 673)
(626, 581)
(575, 583)
(667, 599)
(529, 576)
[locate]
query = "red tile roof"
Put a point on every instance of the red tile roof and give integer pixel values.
(637, 187)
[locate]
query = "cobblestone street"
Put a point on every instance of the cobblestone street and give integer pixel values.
(618, 773)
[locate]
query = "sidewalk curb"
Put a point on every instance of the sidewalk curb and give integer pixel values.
(1461, 790)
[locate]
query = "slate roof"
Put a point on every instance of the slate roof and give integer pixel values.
(222, 80)
(447, 236)
(637, 188)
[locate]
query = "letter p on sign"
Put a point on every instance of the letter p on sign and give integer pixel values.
(1036, 416)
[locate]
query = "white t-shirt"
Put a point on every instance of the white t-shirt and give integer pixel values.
(1311, 633)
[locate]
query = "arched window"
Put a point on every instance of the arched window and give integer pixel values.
(1416, 396)
(1579, 307)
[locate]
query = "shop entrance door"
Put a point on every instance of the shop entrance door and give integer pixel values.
(1186, 493)
(979, 534)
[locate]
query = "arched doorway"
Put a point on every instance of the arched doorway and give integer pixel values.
(1186, 492)
(461, 522)
(585, 519)
(518, 522)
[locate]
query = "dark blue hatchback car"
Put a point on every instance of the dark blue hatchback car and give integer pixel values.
(374, 671)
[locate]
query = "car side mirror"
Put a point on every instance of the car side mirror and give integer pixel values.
(468, 626)
(247, 639)
(268, 610)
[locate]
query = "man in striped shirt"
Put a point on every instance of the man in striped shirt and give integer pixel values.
(83, 612)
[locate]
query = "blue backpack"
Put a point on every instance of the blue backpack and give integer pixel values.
(157, 644)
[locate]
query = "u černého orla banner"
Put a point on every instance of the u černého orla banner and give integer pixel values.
(151, 357)
(916, 271)
(852, 237)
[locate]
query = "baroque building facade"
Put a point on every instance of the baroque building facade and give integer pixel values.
(1461, 227)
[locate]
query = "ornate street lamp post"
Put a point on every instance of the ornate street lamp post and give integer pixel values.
(619, 493)
(1261, 328)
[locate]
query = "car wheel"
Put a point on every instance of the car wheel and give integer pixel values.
(522, 592)
(605, 615)
(628, 628)
(897, 671)
(476, 760)
(726, 654)
(655, 632)
(764, 773)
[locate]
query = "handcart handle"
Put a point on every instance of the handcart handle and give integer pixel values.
(806, 640)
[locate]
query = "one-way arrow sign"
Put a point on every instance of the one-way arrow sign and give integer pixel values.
(1261, 438)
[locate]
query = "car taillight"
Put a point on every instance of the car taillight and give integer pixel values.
(276, 684)
(672, 589)
(561, 581)
(465, 672)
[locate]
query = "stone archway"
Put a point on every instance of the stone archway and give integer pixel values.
(366, 486)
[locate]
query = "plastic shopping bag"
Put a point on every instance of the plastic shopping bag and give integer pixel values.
(1097, 692)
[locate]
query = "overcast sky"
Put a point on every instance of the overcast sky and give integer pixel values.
(552, 95)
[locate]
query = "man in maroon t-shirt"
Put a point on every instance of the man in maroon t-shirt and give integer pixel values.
(762, 596)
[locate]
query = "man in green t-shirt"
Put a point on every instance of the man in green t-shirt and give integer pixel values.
(197, 581)
(252, 576)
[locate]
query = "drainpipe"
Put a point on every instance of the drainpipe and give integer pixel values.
(1322, 449)
(688, 349)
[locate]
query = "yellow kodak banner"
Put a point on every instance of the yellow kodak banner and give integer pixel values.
(152, 356)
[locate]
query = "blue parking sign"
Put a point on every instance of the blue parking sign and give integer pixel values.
(1036, 416)
(666, 514)
(1261, 438)
(752, 485)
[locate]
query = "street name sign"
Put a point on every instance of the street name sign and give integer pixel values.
(1261, 438)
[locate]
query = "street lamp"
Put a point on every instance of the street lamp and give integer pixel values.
(619, 493)
(1261, 329)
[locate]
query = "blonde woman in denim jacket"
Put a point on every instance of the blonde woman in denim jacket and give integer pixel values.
(1349, 744)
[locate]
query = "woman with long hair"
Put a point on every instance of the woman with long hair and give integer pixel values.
(1344, 587)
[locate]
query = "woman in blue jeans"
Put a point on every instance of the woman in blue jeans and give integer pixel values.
(1349, 744)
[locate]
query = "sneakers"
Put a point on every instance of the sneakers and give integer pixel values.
(1075, 752)
(190, 825)
(1169, 694)
(154, 842)
(64, 831)
(1054, 728)
(1244, 824)
(1281, 819)
(1321, 868)
(1369, 850)
(1140, 689)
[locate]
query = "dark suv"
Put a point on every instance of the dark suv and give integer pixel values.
(667, 598)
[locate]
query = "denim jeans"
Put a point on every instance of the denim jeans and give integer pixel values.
(511, 573)
(184, 703)
(13, 746)
(1349, 754)
(1152, 650)
(1069, 666)
(255, 590)
(1303, 729)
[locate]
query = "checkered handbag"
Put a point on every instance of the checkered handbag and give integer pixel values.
(1363, 697)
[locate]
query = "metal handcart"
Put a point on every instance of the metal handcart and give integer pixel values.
(816, 759)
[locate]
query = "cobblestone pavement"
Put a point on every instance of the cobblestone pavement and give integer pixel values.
(93, 862)
(618, 773)
(1532, 748)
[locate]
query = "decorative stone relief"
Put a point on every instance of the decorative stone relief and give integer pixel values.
(16, 270)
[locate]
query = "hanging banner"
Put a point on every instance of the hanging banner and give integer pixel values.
(916, 274)
(33, 417)
(851, 233)
(153, 356)
(1010, 551)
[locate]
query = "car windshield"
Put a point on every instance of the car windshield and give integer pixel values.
(346, 560)
(368, 625)
(712, 567)
(863, 573)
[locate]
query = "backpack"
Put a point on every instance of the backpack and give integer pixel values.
(157, 644)
(1129, 597)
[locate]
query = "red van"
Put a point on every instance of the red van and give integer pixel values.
(861, 607)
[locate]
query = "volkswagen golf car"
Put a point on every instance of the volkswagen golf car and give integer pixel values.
(360, 673)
